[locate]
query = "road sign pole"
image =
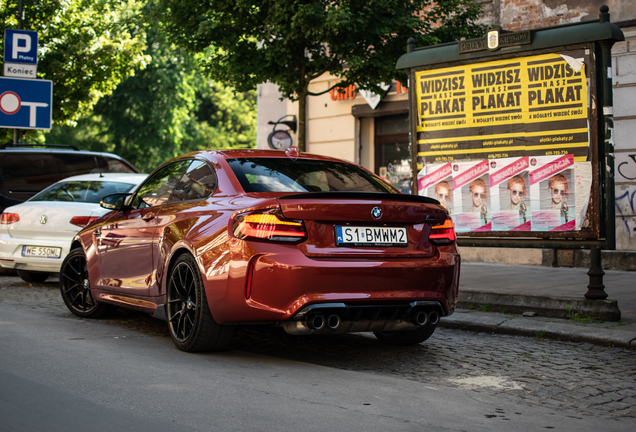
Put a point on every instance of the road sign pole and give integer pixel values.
(17, 132)
(20, 14)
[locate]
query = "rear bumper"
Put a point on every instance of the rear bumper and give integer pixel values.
(284, 282)
(346, 318)
(11, 254)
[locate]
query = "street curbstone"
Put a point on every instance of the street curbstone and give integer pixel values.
(545, 328)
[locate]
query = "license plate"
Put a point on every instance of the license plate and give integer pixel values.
(371, 236)
(41, 251)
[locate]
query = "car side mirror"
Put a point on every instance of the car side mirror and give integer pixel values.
(114, 201)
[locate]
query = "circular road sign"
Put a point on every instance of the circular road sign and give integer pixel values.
(10, 102)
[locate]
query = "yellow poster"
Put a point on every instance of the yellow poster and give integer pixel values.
(527, 106)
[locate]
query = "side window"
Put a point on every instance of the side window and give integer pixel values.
(27, 174)
(156, 190)
(198, 182)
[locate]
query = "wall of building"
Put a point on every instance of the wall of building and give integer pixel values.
(516, 15)
(331, 129)
(624, 67)
(269, 107)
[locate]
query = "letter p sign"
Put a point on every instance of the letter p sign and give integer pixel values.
(20, 46)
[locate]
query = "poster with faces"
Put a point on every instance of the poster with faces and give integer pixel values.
(435, 181)
(543, 193)
(471, 197)
(553, 194)
(509, 194)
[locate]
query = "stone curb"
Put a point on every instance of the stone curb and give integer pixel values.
(604, 310)
(551, 328)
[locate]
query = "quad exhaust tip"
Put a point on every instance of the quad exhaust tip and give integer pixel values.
(421, 318)
(319, 322)
(333, 321)
(433, 317)
(316, 322)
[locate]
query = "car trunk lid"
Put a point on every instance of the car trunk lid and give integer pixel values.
(49, 220)
(327, 214)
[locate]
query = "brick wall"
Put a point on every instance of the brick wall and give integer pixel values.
(516, 15)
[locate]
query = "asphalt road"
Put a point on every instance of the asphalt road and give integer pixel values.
(63, 373)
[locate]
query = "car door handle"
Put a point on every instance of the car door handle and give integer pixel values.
(148, 216)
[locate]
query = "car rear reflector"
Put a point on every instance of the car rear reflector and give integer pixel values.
(248, 287)
(268, 225)
(9, 218)
(443, 234)
(82, 221)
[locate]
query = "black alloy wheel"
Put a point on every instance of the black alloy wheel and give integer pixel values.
(76, 288)
(191, 324)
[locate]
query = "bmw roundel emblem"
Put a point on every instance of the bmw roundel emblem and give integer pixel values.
(376, 213)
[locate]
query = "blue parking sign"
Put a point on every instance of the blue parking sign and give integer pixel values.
(26, 103)
(20, 46)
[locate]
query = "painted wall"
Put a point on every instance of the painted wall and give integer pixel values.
(270, 107)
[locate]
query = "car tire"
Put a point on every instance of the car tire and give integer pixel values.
(408, 337)
(33, 277)
(76, 290)
(190, 321)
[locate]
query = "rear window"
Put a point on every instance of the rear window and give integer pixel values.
(71, 164)
(117, 166)
(304, 175)
(82, 191)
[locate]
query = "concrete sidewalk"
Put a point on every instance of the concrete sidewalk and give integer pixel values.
(495, 298)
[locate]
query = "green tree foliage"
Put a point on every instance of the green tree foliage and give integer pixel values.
(164, 110)
(292, 42)
(86, 47)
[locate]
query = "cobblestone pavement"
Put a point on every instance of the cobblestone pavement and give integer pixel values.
(571, 378)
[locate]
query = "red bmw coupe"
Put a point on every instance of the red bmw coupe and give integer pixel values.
(214, 239)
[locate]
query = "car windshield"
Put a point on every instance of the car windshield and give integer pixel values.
(82, 191)
(304, 175)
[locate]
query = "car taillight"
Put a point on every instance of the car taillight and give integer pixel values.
(82, 221)
(443, 234)
(9, 218)
(268, 226)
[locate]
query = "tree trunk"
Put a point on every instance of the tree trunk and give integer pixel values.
(302, 127)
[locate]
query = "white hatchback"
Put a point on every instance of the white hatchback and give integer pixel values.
(35, 236)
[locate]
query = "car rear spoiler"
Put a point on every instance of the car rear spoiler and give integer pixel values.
(361, 195)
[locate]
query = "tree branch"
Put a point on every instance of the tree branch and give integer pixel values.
(326, 91)
(325, 69)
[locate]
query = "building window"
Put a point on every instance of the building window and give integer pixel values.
(392, 152)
